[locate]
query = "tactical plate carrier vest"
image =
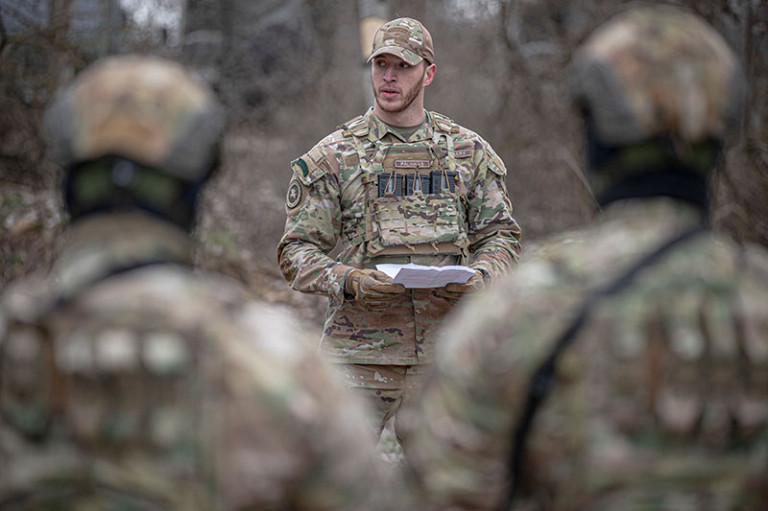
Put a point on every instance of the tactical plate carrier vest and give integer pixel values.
(414, 200)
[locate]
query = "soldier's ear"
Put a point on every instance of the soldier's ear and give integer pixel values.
(429, 73)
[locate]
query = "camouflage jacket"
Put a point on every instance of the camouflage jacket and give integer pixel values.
(659, 403)
(130, 384)
(437, 198)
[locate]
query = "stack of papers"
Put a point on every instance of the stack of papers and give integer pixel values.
(420, 276)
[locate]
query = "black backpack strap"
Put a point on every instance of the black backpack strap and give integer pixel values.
(541, 381)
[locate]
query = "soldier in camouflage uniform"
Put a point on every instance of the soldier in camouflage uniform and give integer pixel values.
(128, 380)
(398, 184)
(623, 366)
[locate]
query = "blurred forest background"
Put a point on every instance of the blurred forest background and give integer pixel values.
(290, 71)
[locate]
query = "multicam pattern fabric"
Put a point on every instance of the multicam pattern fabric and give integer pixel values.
(658, 70)
(406, 38)
(356, 187)
(659, 403)
(144, 108)
(130, 381)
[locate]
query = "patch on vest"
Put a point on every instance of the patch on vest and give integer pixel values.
(413, 164)
(295, 194)
(465, 152)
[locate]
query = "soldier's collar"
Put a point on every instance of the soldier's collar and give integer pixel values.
(377, 128)
(103, 245)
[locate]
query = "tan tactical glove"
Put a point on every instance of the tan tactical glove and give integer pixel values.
(453, 292)
(372, 289)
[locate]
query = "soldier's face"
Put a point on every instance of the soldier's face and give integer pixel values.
(397, 85)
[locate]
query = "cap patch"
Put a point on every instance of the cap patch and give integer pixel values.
(406, 38)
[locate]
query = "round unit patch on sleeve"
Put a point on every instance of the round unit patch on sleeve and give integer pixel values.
(295, 195)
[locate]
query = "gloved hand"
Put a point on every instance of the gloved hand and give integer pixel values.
(454, 292)
(372, 289)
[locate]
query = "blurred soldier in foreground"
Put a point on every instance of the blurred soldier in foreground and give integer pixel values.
(127, 379)
(397, 185)
(623, 366)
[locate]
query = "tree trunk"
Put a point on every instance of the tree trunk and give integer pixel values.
(61, 68)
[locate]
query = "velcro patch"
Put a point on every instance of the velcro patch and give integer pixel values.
(306, 169)
(413, 164)
(303, 166)
(464, 152)
(497, 166)
(295, 196)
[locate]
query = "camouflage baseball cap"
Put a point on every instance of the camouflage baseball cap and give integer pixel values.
(406, 38)
(143, 108)
(658, 71)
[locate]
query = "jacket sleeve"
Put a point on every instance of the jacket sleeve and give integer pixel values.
(494, 235)
(312, 226)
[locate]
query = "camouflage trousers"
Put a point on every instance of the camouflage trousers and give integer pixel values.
(385, 388)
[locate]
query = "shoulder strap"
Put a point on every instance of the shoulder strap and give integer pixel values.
(541, 381)
(444, 123)
(443, 129)
(356, 126)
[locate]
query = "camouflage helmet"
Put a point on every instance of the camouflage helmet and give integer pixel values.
(658, 71)
(146, 109)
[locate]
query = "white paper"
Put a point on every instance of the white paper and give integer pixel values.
(418, 276)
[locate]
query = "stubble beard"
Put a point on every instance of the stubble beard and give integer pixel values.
(408, 99)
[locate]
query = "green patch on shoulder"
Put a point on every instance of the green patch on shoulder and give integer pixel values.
(302, 165)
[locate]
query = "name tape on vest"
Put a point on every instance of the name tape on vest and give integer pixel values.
(413, 164)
